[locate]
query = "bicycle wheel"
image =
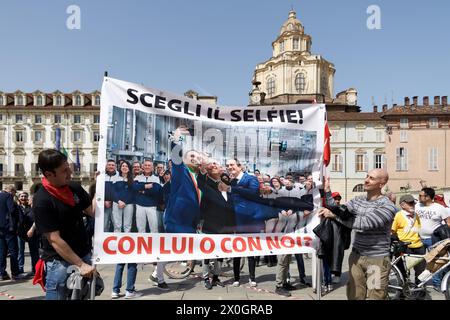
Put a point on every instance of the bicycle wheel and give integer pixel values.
(179, 269)
(395, 284)
(447, 289)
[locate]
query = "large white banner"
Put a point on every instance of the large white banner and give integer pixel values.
(183, 179)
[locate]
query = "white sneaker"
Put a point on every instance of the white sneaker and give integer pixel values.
(115, 295)
(252, 283)
(236, 284)
(132, 294)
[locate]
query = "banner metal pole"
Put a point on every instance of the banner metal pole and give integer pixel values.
(318, 277)
(94, 280)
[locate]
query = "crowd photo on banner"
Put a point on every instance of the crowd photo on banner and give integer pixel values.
(183, 182)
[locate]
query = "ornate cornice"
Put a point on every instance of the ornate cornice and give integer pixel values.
(36, 151)
(19, 127)
(19, 152)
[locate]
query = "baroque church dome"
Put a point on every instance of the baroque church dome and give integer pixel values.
(292, 24)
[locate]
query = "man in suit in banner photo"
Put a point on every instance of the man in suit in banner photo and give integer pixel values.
(249, 214)
(217, 214)
(182, 213)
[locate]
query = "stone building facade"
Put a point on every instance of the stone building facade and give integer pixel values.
(28, 124)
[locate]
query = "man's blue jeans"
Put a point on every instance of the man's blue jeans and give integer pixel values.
(8, 243)
(56, 280)
(131, 277)
(300, 265)
(326, 273)
(33, 246)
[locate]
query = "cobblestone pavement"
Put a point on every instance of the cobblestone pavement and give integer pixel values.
(192, 287)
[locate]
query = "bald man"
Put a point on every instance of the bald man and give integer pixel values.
(371, 218)
(391, 196)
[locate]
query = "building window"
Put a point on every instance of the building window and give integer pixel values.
(379, 161)
(271, 86)
(20, 101)
(97, 100)
(1, 100)
(360, 163)
(57, 118)
(18, 185)
(434, 123)
(18, 168)
(78, 100)
(38, 136)
(433, 159)
(96, 136)
(300, 82)
(77, 136)
(295, 44)
(360, 136)
(379, 135)
(358, 188)
(96, 118)
(39, 101)
(19, 136)
(324, 84)
(58, 100)
(19, 118)
(404, 123)
(77, 118)
(37, 118)
(402, 159)
(336, 163)
(282, 46)
(403, 136)
(1, 171)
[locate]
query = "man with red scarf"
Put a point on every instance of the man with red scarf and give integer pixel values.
(59, 208)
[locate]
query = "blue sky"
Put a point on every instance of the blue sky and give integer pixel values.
(213, 46)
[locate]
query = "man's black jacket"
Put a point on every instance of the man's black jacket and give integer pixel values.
(334, 240)
(216, 212)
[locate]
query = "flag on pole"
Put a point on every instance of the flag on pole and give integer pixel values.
(64, 152)
(58, 138)
(326, 146)
(78, 164)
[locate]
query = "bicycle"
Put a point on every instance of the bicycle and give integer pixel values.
(182, 269)
(400, 287)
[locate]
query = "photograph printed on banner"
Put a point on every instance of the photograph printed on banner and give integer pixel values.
(177, 175)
